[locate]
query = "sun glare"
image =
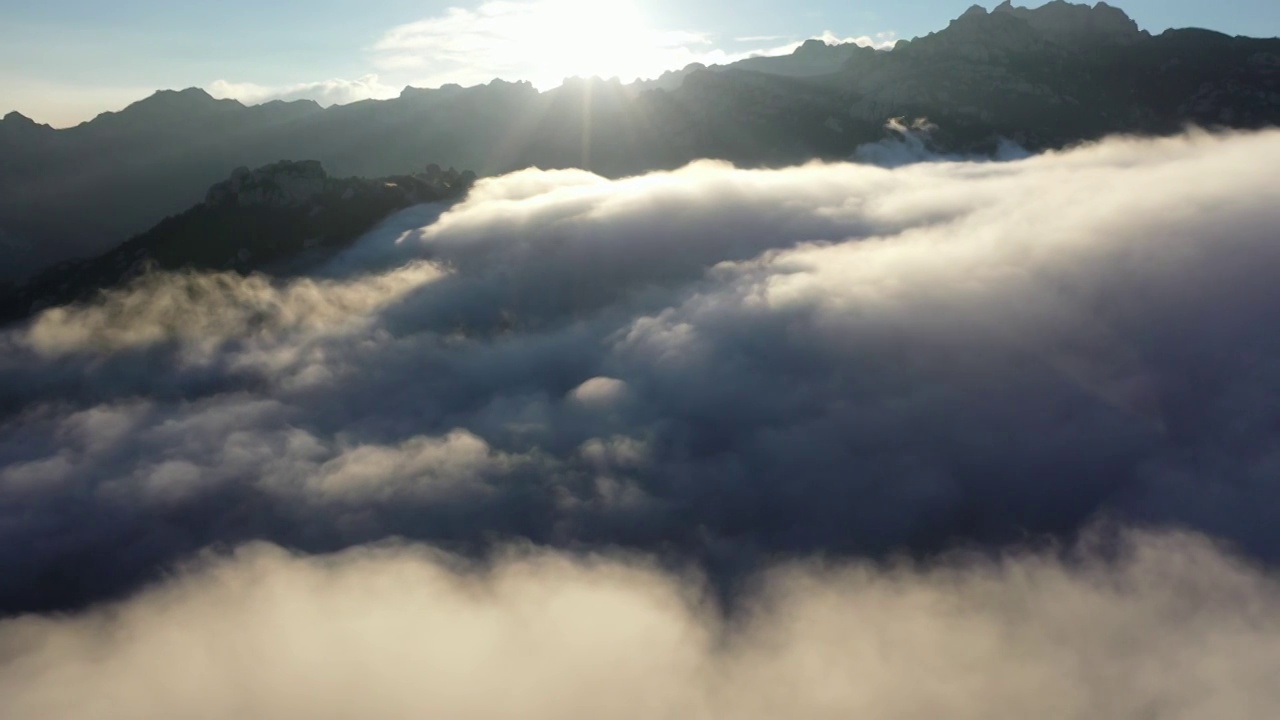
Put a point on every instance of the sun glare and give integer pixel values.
(590, 38)
(543, 42)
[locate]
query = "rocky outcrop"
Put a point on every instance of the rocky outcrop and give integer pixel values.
(291, 184)
(284, 183)
(978, 37)
(1066, 22)
(1062, 73)
(1062, 26)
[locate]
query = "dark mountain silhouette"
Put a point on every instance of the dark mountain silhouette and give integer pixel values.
(1047, 77)
(267, 219)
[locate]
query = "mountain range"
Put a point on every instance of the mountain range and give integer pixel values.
(1044, 78)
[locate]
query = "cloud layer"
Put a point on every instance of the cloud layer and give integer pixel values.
(710, 366)
(1167, 627)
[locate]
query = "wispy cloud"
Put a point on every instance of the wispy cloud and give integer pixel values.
(540, 41)
(545, 41)
(880, 41)
(337, 91)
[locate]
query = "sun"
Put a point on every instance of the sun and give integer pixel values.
(540, 41)
(592, 38)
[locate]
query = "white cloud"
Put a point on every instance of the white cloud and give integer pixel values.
(912, 143)
(835, 358)
(599, 392)
(206, 310)
(546, 41)
(1172, 628)
(325, 92)
(541, 41)
(419, 466)
(881, 41)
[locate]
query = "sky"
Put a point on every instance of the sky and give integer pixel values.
(62, 63)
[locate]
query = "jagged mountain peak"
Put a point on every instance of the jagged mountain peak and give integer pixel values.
(307, 103)
(170, 106)
(18, 118)
(188, 97)
(1071, 20)
(190, 92)
(287, 182)
(1058, 24)
(450, 90)
(810, 46)
(16, 122)
(1008, 71)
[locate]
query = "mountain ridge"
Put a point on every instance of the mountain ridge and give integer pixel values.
(254, 221)
(1046, 77)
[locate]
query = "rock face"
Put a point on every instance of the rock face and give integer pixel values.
(257, 220)
(280, 184)
(291, 184)
(1066, 22)
(1058, 25)
(1062, 73)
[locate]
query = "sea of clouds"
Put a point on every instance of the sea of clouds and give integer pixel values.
(962, 439)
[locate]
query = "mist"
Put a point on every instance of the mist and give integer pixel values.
(710, 369)
(1168, 626)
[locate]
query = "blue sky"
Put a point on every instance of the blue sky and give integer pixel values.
(63, 62)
